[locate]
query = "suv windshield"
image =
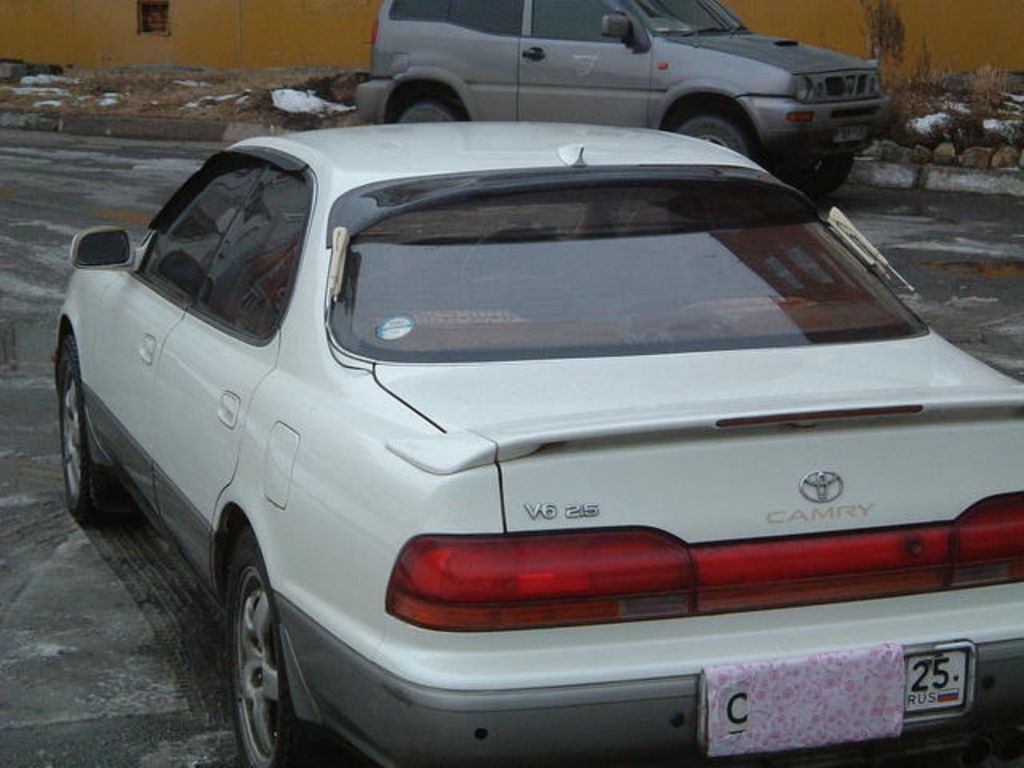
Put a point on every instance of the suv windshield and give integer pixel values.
(703, 16)
(620, 268)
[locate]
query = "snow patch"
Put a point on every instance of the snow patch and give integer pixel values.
(19, 501)
(204, 100)
(305, 102)
(33, 91)
(109, 100)
(971, 301)
(929, 123)
(192, 83)
(48, 103)
(1002, 127)
(46, 79)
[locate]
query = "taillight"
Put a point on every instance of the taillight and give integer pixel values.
(990, 542)
(820, 569)
(556, 579)
(473, 583)
(374, 31)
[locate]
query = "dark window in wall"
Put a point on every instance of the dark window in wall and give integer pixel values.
(154, 18)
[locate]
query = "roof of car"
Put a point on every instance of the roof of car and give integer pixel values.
(400, 151)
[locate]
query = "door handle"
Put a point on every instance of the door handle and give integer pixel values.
(227, 413)
(147, 348)
(534, 54)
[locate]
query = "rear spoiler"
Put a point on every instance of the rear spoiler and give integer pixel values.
(458, 451)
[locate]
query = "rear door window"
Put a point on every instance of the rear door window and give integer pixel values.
(248, 281)
(632, 269)
(496, 17)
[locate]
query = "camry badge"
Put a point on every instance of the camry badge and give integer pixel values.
(821, 487)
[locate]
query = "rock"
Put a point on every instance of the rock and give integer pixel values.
(891, 152)
(1006, 157)
(874, 151)
(977, 157)
(945, 154)
(12, 70)
(922, 155)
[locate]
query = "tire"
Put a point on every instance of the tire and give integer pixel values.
(430, 111)
(822, 177)
(720, 130)
(263, 716)
(91, 493)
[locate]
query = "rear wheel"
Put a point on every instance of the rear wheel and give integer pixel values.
(429, 111)
(719, 129)
(264, 721)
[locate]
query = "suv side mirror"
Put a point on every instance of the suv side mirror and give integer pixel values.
(617, 25)
(101, 248)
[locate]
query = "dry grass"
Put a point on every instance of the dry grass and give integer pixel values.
(220, 95)
(968, 101)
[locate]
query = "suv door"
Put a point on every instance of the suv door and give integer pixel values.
(216, 357)
(467, 44)
(140, 310)
(569, 72)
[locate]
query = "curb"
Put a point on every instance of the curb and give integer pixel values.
(937, 178)
(122, 127)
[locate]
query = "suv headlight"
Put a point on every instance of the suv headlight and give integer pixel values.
(804, 88)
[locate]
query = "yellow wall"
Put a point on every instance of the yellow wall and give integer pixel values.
(960, 35)
(213, 33)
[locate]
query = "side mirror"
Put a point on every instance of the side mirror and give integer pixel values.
(101, 248)
(618, 26)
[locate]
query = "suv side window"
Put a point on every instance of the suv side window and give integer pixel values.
(420, 10)
(177, 255)
(569, 20)
(249, 280)
(496, 17)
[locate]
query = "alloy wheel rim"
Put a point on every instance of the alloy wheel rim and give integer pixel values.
(256, 670)
(72, 441)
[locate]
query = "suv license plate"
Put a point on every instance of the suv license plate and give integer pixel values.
(937, 680)
(851, 133)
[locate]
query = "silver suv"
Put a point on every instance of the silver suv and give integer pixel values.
(678, 65)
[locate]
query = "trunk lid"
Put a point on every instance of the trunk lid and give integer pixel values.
(675, 442)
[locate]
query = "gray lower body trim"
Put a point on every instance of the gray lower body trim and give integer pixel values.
(645, 722)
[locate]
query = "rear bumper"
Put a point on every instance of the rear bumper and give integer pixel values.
(642, 722)
(371, 99)
(820, 136)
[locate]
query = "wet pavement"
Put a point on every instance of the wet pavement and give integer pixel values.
(110, 652)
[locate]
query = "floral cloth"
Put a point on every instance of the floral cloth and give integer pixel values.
(805, 701)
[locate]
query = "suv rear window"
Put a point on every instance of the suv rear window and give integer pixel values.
(496, 17)
(613, 269)
(420, 10)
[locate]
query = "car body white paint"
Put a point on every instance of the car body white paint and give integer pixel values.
(366, 473)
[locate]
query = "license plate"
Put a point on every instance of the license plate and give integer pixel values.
(851, 133)
(938, 680)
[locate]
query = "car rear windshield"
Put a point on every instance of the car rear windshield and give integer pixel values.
(610, 269)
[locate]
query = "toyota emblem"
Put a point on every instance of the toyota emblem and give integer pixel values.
(821, 487)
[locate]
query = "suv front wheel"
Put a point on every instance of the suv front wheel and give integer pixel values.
(720, 130)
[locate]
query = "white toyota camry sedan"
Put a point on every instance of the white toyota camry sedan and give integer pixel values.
(512, 444)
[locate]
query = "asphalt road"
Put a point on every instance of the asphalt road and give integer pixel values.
(110, 653)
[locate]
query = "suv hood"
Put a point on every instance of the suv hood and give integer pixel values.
(796, 58)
